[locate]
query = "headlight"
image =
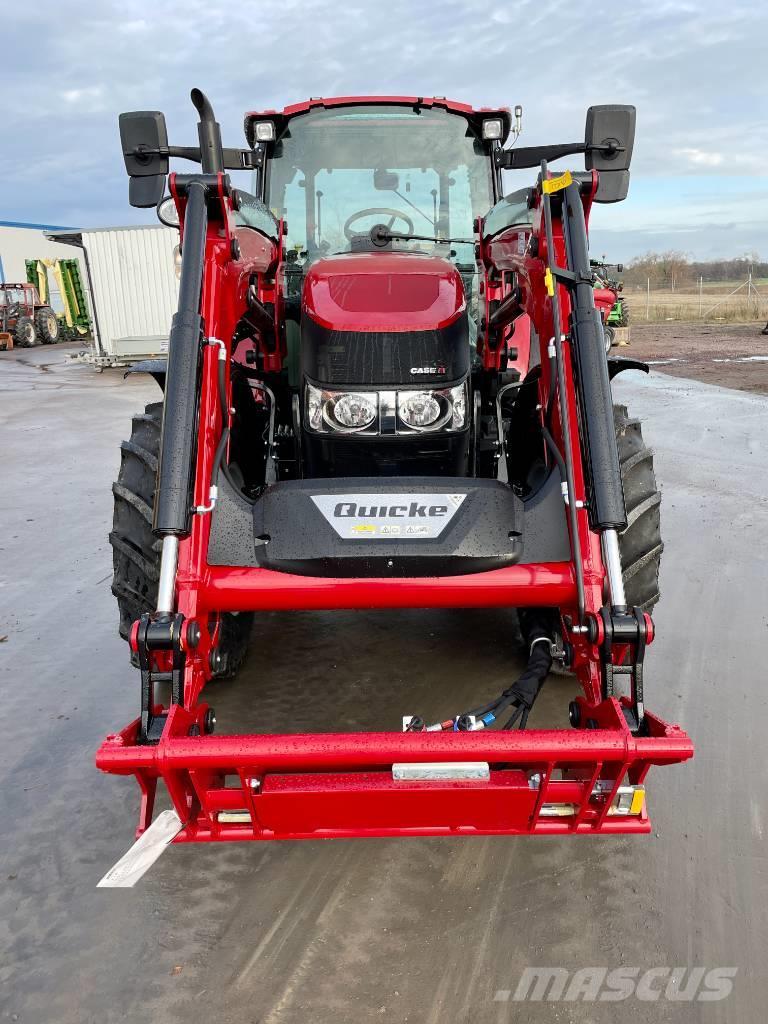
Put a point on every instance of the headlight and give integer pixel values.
(354, 411)
(418, 409)
(437, 409)
(345, 412)
(380, 413)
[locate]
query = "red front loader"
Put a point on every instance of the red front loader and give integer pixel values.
(387, 387)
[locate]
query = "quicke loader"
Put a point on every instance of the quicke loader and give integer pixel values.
(387, 387)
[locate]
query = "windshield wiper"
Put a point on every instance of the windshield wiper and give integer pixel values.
(380, 235)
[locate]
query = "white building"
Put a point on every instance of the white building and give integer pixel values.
(20, 242)
(128, 274)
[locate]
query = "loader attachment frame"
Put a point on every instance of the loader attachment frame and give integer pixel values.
(586, 780)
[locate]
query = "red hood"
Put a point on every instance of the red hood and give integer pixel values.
(383, 291)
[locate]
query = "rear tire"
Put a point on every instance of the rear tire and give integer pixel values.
(610, 336)
(47, 326)
(640, 543)
(24, 333)
(136, 550)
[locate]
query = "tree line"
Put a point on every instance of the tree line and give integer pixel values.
(676, 270)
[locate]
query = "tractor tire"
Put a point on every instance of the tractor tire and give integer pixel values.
(24, 333)
(624, 318)
(610, 337)
(47, 325)
(136, 550)
(640, 543)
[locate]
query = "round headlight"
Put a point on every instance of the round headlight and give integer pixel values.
(353, 411)
(418, 409)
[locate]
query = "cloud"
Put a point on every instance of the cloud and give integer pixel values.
(694, 71)
(700, 157)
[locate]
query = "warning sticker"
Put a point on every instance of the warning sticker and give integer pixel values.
(556, 184)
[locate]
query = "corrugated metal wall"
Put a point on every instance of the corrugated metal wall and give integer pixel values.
(135, 288)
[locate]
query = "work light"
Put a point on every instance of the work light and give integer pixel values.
(265, 131)
(492, 128)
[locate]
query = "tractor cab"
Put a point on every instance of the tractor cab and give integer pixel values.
(419, 171)
(356, 177)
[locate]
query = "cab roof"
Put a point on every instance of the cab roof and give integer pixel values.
(475, 115)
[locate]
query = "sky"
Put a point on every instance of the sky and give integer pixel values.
(697, 73)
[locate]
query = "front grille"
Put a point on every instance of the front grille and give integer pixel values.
(369, 358)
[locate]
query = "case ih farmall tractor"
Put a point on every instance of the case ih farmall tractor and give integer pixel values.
(387, 387)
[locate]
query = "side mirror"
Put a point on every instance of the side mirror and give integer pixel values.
(144, 141)
(609, 136)
(147, 191)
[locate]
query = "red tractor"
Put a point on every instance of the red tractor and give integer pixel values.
(387, 387)
(25, 318)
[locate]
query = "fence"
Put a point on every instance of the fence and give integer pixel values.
(731, 301)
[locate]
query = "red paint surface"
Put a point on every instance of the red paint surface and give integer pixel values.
(387, 291)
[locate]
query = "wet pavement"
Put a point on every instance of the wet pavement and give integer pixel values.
(420, 930)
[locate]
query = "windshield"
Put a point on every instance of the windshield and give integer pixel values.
(337, 173)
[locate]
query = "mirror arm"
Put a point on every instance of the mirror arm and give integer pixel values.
(234, 159)
(531, 156)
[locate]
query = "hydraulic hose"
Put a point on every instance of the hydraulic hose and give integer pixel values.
(538, 627)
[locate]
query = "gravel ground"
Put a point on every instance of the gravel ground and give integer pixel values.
(730, 355)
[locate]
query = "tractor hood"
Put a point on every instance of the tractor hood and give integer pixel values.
(384, 318)
(383, 291)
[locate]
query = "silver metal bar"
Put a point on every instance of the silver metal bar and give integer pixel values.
(612, 557)
(438, 771)
(169, 561)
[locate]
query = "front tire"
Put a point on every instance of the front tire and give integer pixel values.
(640, 543)
(24, 333)
(136, 550)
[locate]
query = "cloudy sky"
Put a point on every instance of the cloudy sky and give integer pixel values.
(697, 73)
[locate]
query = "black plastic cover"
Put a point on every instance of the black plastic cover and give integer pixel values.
(385, 358)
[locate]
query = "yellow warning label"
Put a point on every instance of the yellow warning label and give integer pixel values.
(556, 184)
(549, 283)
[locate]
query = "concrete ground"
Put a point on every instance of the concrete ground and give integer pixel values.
(420, 930)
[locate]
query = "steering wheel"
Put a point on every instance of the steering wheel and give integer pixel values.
(376, 211)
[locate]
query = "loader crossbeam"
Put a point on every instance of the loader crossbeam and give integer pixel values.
(341, 785)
